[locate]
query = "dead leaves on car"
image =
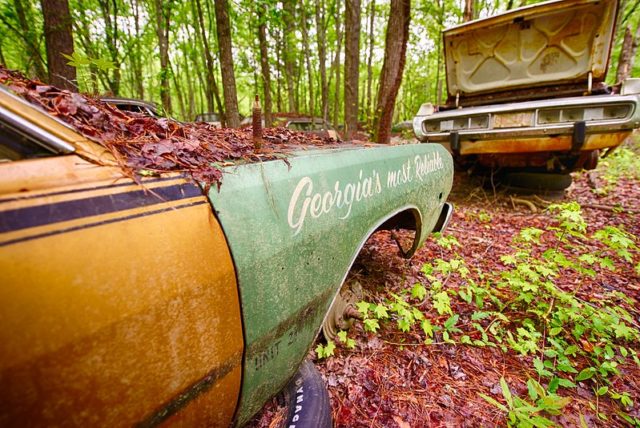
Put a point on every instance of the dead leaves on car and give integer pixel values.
(146, 145)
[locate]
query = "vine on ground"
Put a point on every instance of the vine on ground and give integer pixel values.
(528, 307)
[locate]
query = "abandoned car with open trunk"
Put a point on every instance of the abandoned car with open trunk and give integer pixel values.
(155, 299)
(527, 94)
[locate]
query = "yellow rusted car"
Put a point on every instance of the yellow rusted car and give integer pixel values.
(163, 303)
(527, 93)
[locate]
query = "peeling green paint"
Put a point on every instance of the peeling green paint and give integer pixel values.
(294, 231)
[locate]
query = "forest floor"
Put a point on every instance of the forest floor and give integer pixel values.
(392, 378)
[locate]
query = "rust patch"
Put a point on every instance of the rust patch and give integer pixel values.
(296, 321)
(541, 144)
(525, 145)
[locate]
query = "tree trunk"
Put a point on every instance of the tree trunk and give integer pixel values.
(190, 88)
(81, 32)
(393, 66)
(136, 61)
(58, 38)
(176, 84)
(278, 70)
(33, 53)
(321, 29)
(212, 91)
(634, 48)
(627, 53)
(372, 10)
(226, 64)
(289, 48)
(264, 65)
(351, 67)
(336, 64)
(109, 9)
(438, 87)
(468, 11)
(163, 18)
(307, 57)
(194, 57)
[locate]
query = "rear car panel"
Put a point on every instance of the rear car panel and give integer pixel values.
(119, 301)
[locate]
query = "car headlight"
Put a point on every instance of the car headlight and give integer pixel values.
(574, 114)
(456, 124)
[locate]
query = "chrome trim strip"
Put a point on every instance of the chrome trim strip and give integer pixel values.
(590, 101)
(44, 138)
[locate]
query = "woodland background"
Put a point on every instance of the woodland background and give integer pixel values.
(324, 58)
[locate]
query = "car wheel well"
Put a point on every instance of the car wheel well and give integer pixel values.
(408, 219)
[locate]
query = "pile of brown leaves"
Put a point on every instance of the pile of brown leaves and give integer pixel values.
(152, 145)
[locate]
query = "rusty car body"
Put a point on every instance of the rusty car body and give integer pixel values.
(526, 90)
(159, 302)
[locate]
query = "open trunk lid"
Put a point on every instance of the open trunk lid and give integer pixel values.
(557, 48)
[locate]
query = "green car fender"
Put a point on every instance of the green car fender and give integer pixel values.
(294, 228)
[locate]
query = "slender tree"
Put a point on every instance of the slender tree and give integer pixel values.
(351, 66)
(109, 9)
(163, 19)
(59, 41)
(289, 50)
(336, 62)
(321, 30)
(468, 13)
(307, 56)
(24, 15)
(212, 92)
(226, 64)
(393, 66)
(136, 58)
(628, 53)
(264, 65)
(372, 10)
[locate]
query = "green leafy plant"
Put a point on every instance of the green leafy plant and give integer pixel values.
(325, 351)
(525, 307)
(523, 413)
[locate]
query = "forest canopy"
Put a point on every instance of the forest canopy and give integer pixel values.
(310, 55)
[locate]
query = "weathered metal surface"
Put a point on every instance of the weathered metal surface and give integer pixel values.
(551, 43)
(544, 144)
(118, 304)
(294, 230)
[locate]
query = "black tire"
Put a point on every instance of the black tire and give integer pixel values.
(538, 180)
(308, 399)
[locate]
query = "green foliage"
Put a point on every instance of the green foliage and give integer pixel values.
(522, 413)
(524, 307)
(325, 351)
(347, 341)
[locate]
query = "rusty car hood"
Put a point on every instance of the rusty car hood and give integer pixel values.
(551, 44)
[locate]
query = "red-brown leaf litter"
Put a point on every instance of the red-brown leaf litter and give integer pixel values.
(152, 145)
